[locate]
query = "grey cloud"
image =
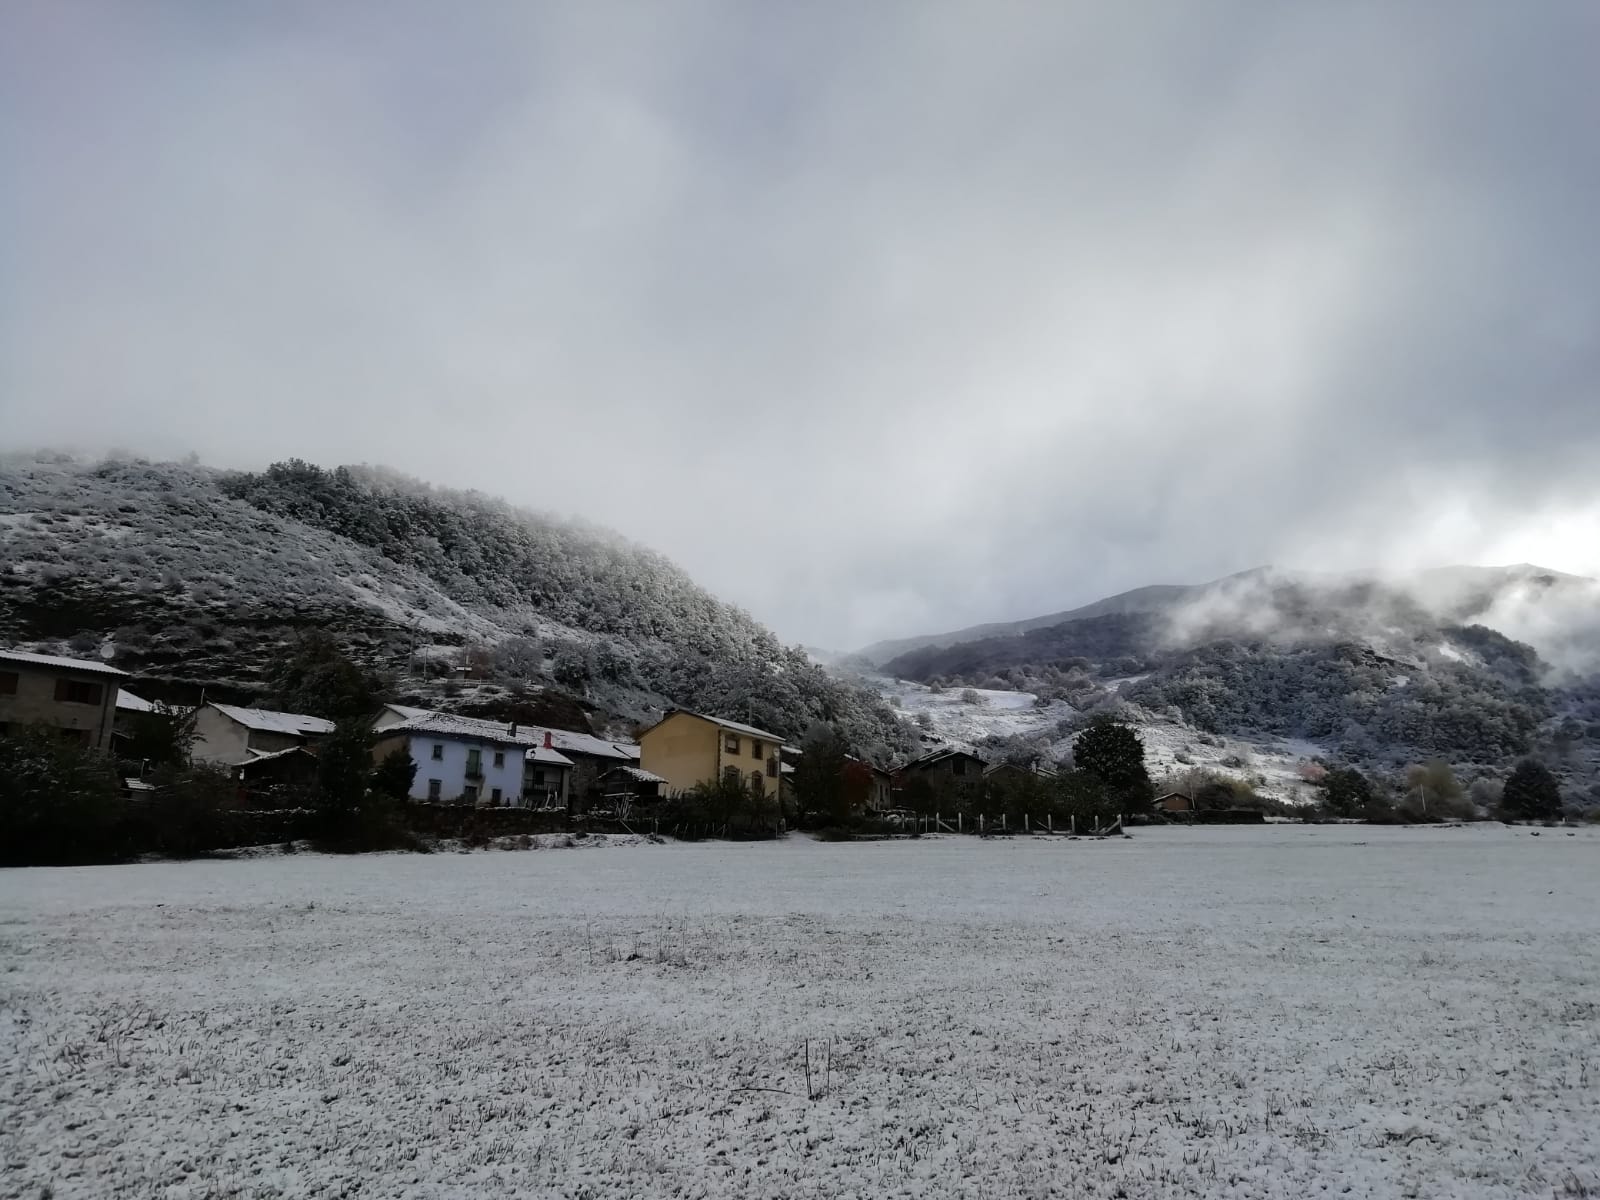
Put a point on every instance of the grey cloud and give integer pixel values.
(877, 318)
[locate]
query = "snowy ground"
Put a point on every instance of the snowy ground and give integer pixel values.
(1270, 1012)
(1001, 713)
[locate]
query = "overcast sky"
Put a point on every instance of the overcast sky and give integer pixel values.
(879, 318)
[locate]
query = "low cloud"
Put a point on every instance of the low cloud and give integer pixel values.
(878, 319)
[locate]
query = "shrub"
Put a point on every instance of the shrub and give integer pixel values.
(58, 801)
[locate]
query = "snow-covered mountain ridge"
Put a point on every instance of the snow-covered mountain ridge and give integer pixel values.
(183, 572)
(1474, 665)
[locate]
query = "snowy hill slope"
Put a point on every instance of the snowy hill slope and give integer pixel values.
(184, 572)
(1377, 671)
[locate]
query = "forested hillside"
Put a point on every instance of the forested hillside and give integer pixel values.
(186, 572)
(1374, 670)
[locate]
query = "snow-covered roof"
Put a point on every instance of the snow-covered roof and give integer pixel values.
(526, 735)
(943, 752)
(266, 720)
(407, 711)
(638, 773)
(28, 658)
(475, 729)
(128, 702)
(731, 726)
(258, 756)
(587, 743)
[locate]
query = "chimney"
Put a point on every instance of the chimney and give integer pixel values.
(549, 740)
(513, 729)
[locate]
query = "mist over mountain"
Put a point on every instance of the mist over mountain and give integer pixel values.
(187, 573)
(1472, 664)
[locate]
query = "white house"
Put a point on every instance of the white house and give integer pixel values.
(590, 757)
(471, 761)
(231, 735)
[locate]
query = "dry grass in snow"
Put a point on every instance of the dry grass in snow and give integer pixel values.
(1277, 1012)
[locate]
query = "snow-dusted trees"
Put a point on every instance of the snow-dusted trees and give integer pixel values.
(1531, 793)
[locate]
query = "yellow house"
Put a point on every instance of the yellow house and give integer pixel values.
(687, 749)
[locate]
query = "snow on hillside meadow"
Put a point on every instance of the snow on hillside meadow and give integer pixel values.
(1281, 1011)
(1271, 765)
(997, 713)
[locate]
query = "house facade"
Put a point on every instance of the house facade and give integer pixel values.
(687, 749)
(465, 760)
(589, 757)
(76, 696)
(1174, 802)
(229, 734)
(947, 774)
(868, 787)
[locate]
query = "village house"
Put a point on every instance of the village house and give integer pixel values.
(687, 749)
(294, 768)
(867, 785)
(591, 757)
(466, 760)
(948, 771)
(1174, 802)
(228, 734)
(622, 787)
(76, 696)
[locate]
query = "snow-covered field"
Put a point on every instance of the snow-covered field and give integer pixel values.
(1279, 1012)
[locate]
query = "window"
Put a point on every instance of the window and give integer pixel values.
(438, 751)
(499, 758)
(494, 794)
(756, 749)
(470, 793)
(8, 683)
(730, 774)
(475, 763)
(755, 780)
(77, 691)
(730, 743)
(435, 787)
(772, 767)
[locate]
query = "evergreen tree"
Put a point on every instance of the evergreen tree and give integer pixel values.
(1346, 792)
(1532, 793)
(316, 677)
(1114, 754)
(344, 765)
(58, 800)
(395, 774)
(819, 777)
(161, 737)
